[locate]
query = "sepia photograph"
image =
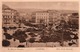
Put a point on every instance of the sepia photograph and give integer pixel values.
(40, 24)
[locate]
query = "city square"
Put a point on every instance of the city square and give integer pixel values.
(39, 28)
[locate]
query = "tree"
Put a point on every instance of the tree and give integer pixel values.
(8, 36)
(61, 29)
(20, 35)
(5, 43)
(31, 40)
(66, 35)
(32, 34)
(44, 39)
(5, 29)
(21, 46)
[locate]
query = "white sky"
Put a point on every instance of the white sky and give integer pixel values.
(44, 5)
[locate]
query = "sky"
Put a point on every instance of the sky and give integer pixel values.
(44, 5)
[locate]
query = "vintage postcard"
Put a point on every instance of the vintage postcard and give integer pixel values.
(40, 25)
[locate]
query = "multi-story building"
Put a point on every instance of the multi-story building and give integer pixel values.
(42, 16)
(46, 16)
(54, 16)
(33, 17)
(74, 18)
(66, 16)
(8, 16)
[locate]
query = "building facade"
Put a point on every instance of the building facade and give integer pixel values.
(74, 18)
(42, 17)
(8, 16)
(55, 17)
(46, 16)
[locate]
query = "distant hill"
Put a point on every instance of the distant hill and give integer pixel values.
(33, 10)
(69, 11)
(28, 10)
(5, 7)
